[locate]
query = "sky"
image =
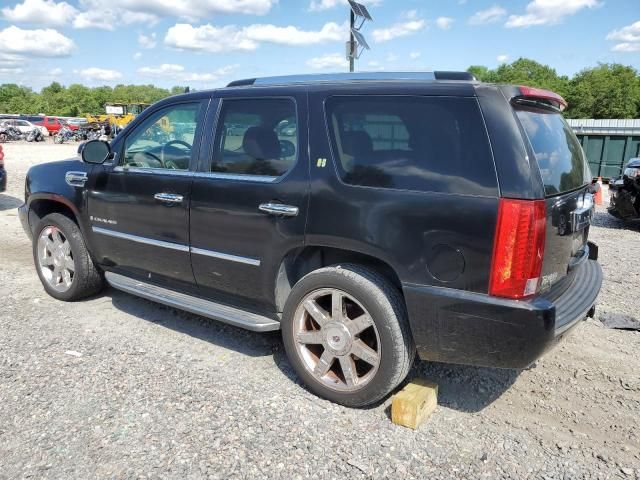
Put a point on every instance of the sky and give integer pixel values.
(207, 43)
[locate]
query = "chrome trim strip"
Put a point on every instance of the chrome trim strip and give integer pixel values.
(158, 171)
(236, 176)
(176, 246)
(187, 173)
(226, 256)
(135, 238)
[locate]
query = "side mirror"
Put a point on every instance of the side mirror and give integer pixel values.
(95, 152)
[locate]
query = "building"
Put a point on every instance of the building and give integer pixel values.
(608, 144)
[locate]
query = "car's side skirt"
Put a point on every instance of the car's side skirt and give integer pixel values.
(189, 303)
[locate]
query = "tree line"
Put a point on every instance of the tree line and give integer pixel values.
(76, 100)
(604, 91)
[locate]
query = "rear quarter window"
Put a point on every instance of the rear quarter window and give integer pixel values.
(560, 157)
(428, 144)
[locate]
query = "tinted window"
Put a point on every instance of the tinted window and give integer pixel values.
(558, 152)
(256, 137)
(164, 140)
(435, 144)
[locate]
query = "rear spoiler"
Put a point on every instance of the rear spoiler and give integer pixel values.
(538, 95)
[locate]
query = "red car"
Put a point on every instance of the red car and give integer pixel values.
(53, 124)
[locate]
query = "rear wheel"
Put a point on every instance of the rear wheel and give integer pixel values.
(346, 334)
(62, 260)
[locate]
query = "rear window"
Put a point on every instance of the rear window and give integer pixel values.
(429, 144)
(560, 157)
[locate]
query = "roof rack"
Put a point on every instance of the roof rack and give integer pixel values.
(353, 77)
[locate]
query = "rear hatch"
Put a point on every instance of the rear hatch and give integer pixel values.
(566, 178)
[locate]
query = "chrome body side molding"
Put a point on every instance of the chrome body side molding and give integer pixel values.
(136, 238)
(176, 246)
(225, 256)
(189, 303)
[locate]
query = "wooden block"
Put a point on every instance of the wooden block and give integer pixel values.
(414, 403)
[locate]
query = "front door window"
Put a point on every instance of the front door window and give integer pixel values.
(164, 140)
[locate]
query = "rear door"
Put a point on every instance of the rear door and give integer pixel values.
(249, 201)
(565, 175)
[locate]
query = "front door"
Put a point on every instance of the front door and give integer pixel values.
(139, 206)
(249, 202)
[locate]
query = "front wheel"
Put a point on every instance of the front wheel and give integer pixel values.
(346, 334)
(63, 263)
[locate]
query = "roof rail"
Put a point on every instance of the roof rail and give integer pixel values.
(353, 77)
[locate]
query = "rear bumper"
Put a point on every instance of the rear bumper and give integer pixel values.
(456, 326)
(3, 179)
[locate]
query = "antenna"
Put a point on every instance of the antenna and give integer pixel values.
(357, 43)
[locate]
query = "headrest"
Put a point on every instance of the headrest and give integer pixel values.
(357, 143)
(261, 143)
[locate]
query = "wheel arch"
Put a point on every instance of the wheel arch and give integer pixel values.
(41, 205)
(301, 261)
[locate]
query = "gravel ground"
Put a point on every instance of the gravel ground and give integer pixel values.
(118, 387)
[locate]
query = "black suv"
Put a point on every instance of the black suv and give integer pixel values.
(368, 216)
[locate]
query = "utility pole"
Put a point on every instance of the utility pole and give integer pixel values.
(352, 41)
(357, 42)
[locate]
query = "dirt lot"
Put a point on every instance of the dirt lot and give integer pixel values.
(118, 387)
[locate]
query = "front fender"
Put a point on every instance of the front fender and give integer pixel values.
(46, 182)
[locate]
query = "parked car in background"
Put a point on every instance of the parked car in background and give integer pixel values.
(25, 126)
(395, 214)
(53, 124)
(78, 122)
(624, 192)
(32, 118)
(3, 172)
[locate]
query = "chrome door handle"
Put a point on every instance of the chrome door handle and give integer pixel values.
(279, 209)
(168, 197)
(76, 179)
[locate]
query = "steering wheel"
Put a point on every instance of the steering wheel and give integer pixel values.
(155, 157)
(172, 142)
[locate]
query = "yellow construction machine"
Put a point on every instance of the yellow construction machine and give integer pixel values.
(118, 114)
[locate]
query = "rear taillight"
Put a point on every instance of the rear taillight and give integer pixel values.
(518, 248)
(1, 157)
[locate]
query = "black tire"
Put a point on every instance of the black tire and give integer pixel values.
(87, 279)
(387, 309)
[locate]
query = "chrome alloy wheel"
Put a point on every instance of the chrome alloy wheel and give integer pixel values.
(336, 339)
(55, 259)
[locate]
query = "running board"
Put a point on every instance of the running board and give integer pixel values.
(199, 306)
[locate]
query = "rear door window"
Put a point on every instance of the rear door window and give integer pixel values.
(256, 137)
(429, 144)
(562, 163)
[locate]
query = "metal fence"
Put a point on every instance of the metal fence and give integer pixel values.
(608, 143)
